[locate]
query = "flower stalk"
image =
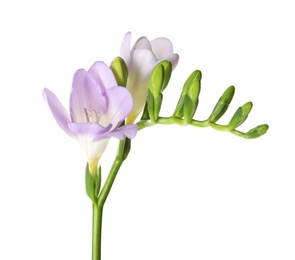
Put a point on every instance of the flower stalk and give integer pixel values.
(98, 203)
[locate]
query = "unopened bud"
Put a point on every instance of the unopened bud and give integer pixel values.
(222, 104)
(158, 81)
(257, 131)
(120, 70)
(240, 115)
(189, 99)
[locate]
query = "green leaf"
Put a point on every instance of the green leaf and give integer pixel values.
(120, 70)
(222, 104)
(90, 185)
(257, 131)
(240, 116)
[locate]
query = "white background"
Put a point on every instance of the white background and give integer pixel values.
(183, 193)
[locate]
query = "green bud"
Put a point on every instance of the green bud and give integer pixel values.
(124, 149)
(145, 113)
(158, 81)
(160, 77)
(92, 183)
(189, 99)
(154, 105)
(222, 104)
(120, 70)
(240, 116)
(257, 131)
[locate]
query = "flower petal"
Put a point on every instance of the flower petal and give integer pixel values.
(161, 47)
(119, 105)
(102, 75)
(88, 129)
(142, 43)
(121, 132)
(86, 98)
(173, 58)
(60, 114)
(125, 48)
(93, 150)
(142, 59)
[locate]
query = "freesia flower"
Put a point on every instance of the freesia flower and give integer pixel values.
(97, 108)
(141, 60)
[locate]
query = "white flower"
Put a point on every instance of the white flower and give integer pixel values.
(141, 60)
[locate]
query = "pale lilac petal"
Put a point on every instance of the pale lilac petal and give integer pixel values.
(119, 105)
(142, 61)
(121, 132)
(161, 47)
(125, 48)
(88, 129)
(60, 114)
(173, 58)
(141, 43)
(102, 75)
(86, 101)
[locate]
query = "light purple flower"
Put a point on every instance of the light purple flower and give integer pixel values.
(97, 108)
(141, 60)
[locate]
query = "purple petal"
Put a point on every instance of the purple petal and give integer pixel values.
(88, 129)
(121, 132)
(125, 48)
(119, 105)
(162, 47)
(87, 102)
(102, 75)
(60, 114)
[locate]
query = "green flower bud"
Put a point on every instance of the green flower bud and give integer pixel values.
(189, 99)
(222, 104)
(160, 77)
(257, 131)
(120, 70)
(240, 116)
(158, 81)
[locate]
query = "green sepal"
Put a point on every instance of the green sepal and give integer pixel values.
(98, 181)
(145, 113)
(160, 77)
(120, 70)
(150, 105)
(92, 183)
(222, 104)
(189, 109)
(189, 98)
(154, 105)
(124, 149)
(240, 116)
(257, 131)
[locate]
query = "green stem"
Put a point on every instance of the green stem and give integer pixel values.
(98, 207)
(96, 231)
